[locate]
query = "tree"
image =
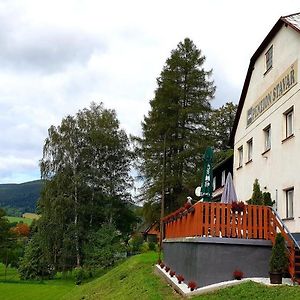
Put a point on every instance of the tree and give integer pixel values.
(34, 265)
(221, 123)
(7, 242)
(176, 127)
(104, 247)
(85, 167)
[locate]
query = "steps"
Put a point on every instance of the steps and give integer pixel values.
(297, 265)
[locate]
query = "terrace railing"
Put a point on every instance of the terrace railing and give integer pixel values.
(209, 219)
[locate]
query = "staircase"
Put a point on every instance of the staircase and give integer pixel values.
(297, 266)
(293, 248)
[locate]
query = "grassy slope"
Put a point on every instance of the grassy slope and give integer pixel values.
(133, 279)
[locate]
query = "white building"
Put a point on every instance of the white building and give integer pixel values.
(267, 126)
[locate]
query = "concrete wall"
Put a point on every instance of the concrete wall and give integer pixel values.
(212, 260)
(276, 170)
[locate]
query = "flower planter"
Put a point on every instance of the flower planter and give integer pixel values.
(276, 277)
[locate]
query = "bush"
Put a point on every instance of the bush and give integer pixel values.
(152, 246)
(136, 242)
(103, 247)
(279, 259)
(79, 275)
(144, 247)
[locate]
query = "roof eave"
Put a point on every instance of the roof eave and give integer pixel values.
(253, 59)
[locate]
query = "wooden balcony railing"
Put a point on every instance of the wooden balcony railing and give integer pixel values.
(208, 219)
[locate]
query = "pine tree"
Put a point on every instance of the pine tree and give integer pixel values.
(257, 197)
(176, 127)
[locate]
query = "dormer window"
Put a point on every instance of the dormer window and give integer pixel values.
(269, 58)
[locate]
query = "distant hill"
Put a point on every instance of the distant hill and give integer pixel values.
(20, 198)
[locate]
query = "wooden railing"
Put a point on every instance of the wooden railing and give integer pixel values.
(208, 219)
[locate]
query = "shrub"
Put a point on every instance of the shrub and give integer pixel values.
(180, 278)
(279, 259)
(192, 285)
(79, 275)
(162, 265)
(152, 246)
(267, 199)
(136, 242)
(144, 247)
(167, 269)
(237, 274)
(103, 247)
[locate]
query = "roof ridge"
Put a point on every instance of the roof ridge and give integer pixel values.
(291, 15)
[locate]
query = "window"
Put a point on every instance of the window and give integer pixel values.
(240, 157)
(223, 178)
(289, 122)
(250, 149)
(214, 183)
(269, 58)
(289, 196)
(267, 133)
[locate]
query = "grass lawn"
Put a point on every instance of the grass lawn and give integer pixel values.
(19, 219)
(14, 289)
(132, 279)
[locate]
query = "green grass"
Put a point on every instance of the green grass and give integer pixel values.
(13, 288)
(19, 219)
(253, 291)
(132, 279)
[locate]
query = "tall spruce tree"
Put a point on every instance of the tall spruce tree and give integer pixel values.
(85, 167)
(176, 127)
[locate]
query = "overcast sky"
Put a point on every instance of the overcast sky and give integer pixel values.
(58, 56)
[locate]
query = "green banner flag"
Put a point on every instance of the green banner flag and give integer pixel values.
(206, 184)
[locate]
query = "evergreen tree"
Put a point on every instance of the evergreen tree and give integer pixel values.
(221, 123)
(257, 196)
(176, 127)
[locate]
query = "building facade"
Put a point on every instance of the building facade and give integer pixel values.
(266, 132)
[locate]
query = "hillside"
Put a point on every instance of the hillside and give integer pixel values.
(21, 197)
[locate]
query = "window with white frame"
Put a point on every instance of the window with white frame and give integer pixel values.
(249, 149)
(223, 178)
(289, 122)
(267, 134)
(269, 58)
(289, 196)
(240, 156)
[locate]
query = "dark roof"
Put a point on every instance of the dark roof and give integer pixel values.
(291, 20)
(223, 162)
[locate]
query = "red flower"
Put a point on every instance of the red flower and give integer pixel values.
(180, 278)
(192, 285)
(237, 274)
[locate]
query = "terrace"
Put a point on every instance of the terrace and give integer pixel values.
(220, 237)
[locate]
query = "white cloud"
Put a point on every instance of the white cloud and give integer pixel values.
(58, 56)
